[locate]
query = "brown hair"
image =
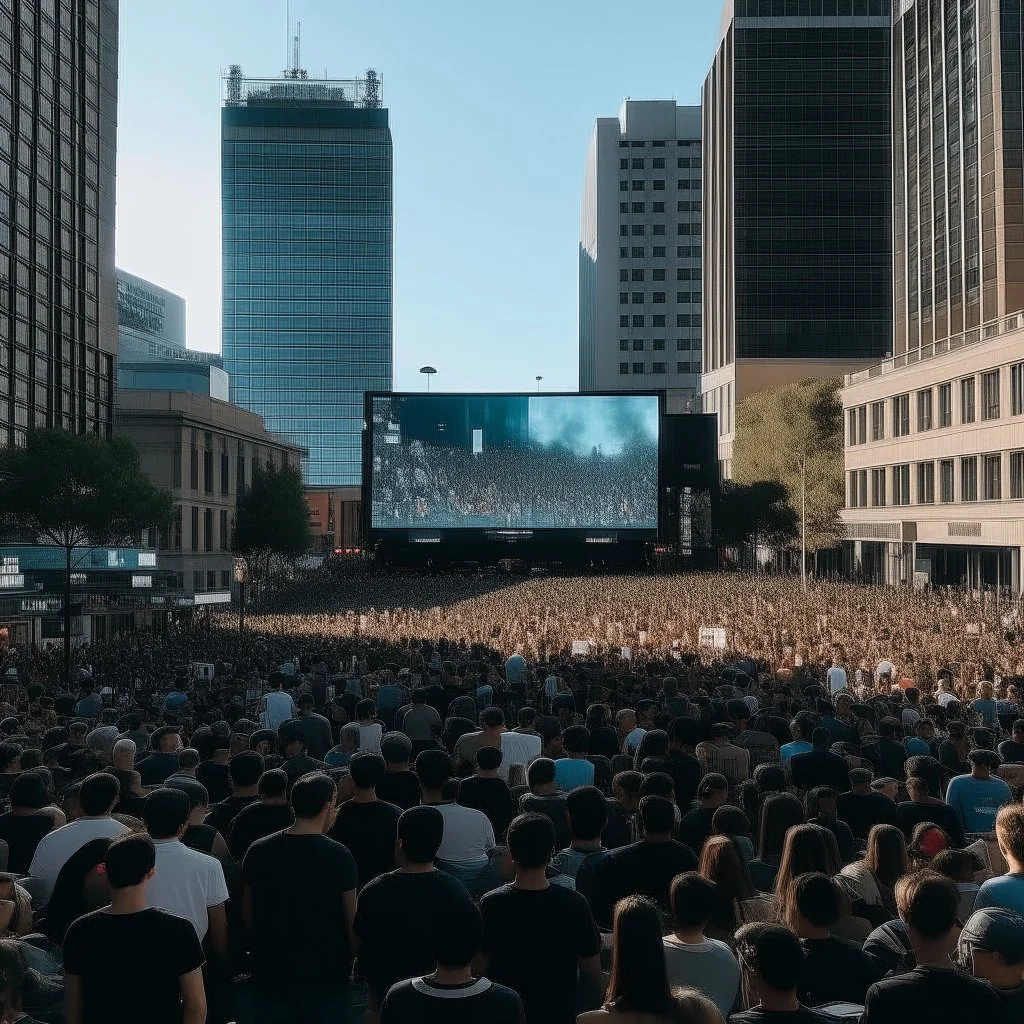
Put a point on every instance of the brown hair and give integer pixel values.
(722, 863)
(1010, 829)
(806, 849)
(886, 856)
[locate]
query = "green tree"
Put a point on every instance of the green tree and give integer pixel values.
(793, 436)
(754, 514)
(272, 519)
(72, 490)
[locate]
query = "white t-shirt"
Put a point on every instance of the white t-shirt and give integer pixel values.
(946, 698)
(709, 966)
(518, 748)
(280, 708)
(836, 679)
(468, 835)
(186, 883)
(57, 847)
(370, 736)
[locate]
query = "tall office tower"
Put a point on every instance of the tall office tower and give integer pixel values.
(797, 193)
(58, 137)
(640, 314)
(306, 200)
(958, 167)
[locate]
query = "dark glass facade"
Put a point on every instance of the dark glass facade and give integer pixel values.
(58, 134)
(798, 179)
(307, 266)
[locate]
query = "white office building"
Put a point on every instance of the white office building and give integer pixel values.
(640, 253)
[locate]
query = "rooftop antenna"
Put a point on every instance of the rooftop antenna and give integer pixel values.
(294, 43)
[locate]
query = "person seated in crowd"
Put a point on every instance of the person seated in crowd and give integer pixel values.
(1012, 750)
(419, 721)
(800, 729)
(162, 760)
(487, 791)
(537, 936)
(451, 992)
(544, 798)
(872, 881)
(887, 753)
(366, 825)
(212, 770)
(198, 835)
(588, 814)
(862, 807)
(820, 767)
(188, 762)
(698, 823)
(955, 749)
(1007, 890)
(923, 807)
(762, 747)
(780, 812)
(244, 770)
(270, 814)
(927, 904)
(130, 954)
(575, 769)
(400, 786)
(823, 811)
(278, 704)
(985, 706)
(976, 798)
(30, 818)
(923, 741)
(991, 948)
(348, 743)
(722, 864)
(123, 769)
(720, 755)
(492, 725)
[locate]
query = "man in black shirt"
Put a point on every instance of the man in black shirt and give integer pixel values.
(645, 868)
(364, 824)
(296, 761)
(301, 953)
(400, 785)
(487, 791)
(544, 799)
(162, 763)
(537, 935)
(695, 827)
(1012, 750)
(245, 770)
(927, 903)
(397, 914)
(772, 960)
(619, 831)
(888, 754)
(212, 770)
(861, 807)
(991, 947)
(451, 995)
(126, 957)
(679, 761)
(270, 814)
(826, 800)
(820, 767)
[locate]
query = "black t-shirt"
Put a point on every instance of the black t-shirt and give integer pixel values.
(421, 1001)
(492, 796)
(216, 778)
(861, 812)
(299, 765)
(533, 939)
(222, 815)
(695, 828)
(395, 922)
(844, 837)
(256, 821)
(554, 807)
(603, 740)
(1012, 1001)
(909, 815)
(933, 994)
(643, 869)
(370, 832)
(1012, 752)
(400, 788)
(157, 768)
(820, 768)
(804, 1015)
(834, 970)
(130, 964)
(685, 772)
(22, 833)
(200, 837)
(888, 756)
(299, 943)
(619, 830)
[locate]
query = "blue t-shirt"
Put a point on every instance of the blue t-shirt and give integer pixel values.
(389, 696)
(987, 710)
(977, 801)
(916, 745)
(789, 750)
(515, 669)
(573, 772)
(1004, 891)
(176, 699)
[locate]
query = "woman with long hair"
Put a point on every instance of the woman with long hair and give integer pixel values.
(638, 988)
(654, 743)
(781, 811)
(81, 887)
(806, 849)
(873, 880)
(721, 862)
(732, 822)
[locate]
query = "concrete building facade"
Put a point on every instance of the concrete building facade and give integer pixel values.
(640, 252)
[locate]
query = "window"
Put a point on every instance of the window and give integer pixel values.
(624, 275)
(638, 345)
(1017, 474)
(194, 468)
(926, 483)
(657, 208)
(682, 367)
(637, 252)
(623, 163)
(176, 529)
(638, 185)
(900, 416)
(638, 163)
(623, 298)
(877, 421)
(658, 344)
(623, 252)
(638, 367)
(658, 163)
(658, 320)
(225, 579)
(659, 297)
(195, 528)
(878, 488)
(659, 184)
(637, 230)
(623, 319)
(176, 455)
(623, 367)
(638, 319)
(990, 395)
(225, 538)
(624, 230)
(225, 470)
(208, 528)
(969, 478)
(901, 484)
(1017, 389)
(658, 229)
(638, 298)
(658, 275)
(852, 438)
(852, 500)
(623, 345)
(658, 252)
(967, 411)
(638, 274)
(945, 405)
(657, 367)
(924, 409)
(946, 481)
(862, 425)
(623, 207)
(211, 579)
(992, 477)
(639, 208)
(197, 580)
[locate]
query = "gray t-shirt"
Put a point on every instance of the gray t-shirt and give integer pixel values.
(421, 722)
(709, 966)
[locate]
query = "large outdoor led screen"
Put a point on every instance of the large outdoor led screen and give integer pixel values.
(565, 462)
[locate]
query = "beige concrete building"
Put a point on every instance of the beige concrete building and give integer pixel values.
(935, 462)
(203, 450)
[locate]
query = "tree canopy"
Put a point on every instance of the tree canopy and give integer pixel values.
(757, 513)
(780, 431)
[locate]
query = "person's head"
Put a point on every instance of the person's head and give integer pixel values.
(713, 791)
(781, 811)
(420, 831)
(10, 757)
(396, 749)
(959, 865)
(77, 732)
(804, 849)
(165, 812)
(492, 719)
(639, 978)
(366, 710)
(771, 958)
(730, 821)
(657, 818)
(625, 720)
(527, 718)
(684, 733)
(488, 760)
(531, 841)
(927, 841)
(721, 862)
(273, 784)
(123, 754)
(29, 791)
(925, 730)
(801, 728)
(166, 739)
(1010, 835)
(588, 813)
(991, 947)
(812, 901)
(367, 770)
(626, 789)
(983, 763)
(292, 739)
(575, 741)
(928, 904)
(820, 739)
(98, 795)
(886, 856)
(658, 784)
(823, 801)
(541, 775)
(434, 768)
(694, 898)
(860, 780)
(130, 861)
(305, 703)
(313, 798)
(985, 690)
(244, 770)
(739, 714)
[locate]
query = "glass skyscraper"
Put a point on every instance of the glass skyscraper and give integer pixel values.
(307, 256)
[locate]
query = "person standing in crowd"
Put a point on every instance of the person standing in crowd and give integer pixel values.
(696, 824)
(574, 769)
(977, 797)
(537, 936)
(544, 798)
(862, 807)
(1007, 890)
(370, 730)
(1012, 750)
(487, 791)
(301, 949)
(30, 818)
(991, 947)
(922, 806)
(419, 721)
(772, 961)
(162, 761)
(270, 814)
(722, 756)
(279, 706)
(297, 761)
(128, 958)
(244, 769)
(315, 728)
(588, 815)
(400, 785)
(820, 767)
(800, 730)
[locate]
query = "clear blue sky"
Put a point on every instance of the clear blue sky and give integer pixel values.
(492, 106)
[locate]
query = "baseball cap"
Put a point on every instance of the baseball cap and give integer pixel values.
(995, 930)
(712, 783)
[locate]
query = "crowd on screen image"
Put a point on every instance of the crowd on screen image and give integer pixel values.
(417, 485)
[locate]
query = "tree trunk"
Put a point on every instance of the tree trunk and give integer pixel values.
(67, 615)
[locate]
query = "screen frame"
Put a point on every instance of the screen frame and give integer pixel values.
(636, 533)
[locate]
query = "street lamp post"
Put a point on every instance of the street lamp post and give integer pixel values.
(538, 379)
(428, 372)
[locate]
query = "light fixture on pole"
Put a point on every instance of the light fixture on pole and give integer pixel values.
(428, 372)
(538, 379)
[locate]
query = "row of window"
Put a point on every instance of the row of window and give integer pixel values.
(639, 230)
(637, 163)
(892, 484)
(657, 184)
(931, 411)
(658, 274)
(639, 298)
(682, 206)
(658, 252)
(206, 580)
(655, 144)
(657, 345)
(658, 320)
(171, 540)
(681, 367)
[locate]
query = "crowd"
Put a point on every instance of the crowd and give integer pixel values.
(411, 812)
(524, 487)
